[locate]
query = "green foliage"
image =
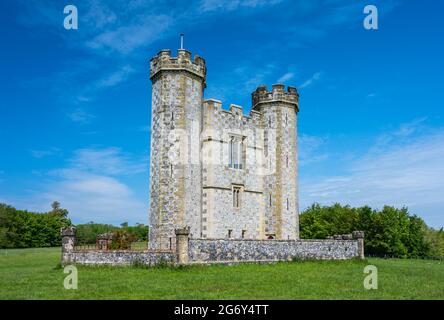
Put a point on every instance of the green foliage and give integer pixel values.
(87, 233)
(390, 231)
(23, 229)
(436, 240)
(122, 240)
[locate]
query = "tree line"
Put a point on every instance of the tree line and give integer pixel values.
(388, 232)
(25, 229)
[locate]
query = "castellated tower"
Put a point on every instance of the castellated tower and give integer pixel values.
(279, 120)
(175, 172)
(220, 172)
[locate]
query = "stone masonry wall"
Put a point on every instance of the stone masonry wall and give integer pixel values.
(218, 213)
(229, 251)
(119, 258)
(207, 251)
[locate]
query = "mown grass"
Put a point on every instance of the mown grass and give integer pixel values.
(36, 274)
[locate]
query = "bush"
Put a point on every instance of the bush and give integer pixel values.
(122, 240)
(390, 231)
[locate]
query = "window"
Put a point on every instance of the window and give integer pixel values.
(236, 153)
(243, 233)
(229, 233)
(286, 160)
(236, 197)
(288, 205)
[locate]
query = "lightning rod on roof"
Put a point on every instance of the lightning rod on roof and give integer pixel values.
(181, 40)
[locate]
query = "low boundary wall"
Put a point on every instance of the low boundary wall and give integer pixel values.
(223, 251)
(208, 251)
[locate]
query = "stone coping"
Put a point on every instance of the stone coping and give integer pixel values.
(122, 251)
(271, 240)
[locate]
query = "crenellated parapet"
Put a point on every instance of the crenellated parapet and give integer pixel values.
(277, 94)
(163, 61)
(235, 111)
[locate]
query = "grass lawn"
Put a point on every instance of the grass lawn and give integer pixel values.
(35, 274)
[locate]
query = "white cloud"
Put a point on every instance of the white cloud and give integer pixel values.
(315, 77)
(129, 37)
(116, 77)
(95, 185)
(230, 5)
(44, 153)
(309, 149)
(109, 161)
(286, 77)
(402, 172)
(81, 116)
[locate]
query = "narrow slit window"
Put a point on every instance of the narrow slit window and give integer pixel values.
(236, 197)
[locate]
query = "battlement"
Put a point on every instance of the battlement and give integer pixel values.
(213, 105)
(277, 94)
(164, 61)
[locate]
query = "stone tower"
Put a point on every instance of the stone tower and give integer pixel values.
(216, 171)
(279, 120)
(175, 171)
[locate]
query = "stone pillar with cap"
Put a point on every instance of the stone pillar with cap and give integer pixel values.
(182, 236)
(68, 241)
(359, 235)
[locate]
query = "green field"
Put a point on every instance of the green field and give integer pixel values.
(36, 274)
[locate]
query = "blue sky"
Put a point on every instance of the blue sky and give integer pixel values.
(75, 104)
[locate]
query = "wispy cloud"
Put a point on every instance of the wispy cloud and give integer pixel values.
(127, 38)
(81, 116)
(314, 78)
(109, 161)
(286, 77)
(230, 5)
(116, 77)
(44, 153)
(309, 149)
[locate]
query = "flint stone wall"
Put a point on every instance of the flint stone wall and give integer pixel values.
(231, 250)
(118, 258)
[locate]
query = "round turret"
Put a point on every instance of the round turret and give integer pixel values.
(164, 62)
(277, 94)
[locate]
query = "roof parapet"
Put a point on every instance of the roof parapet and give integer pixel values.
(164, 61)
(277, 94)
